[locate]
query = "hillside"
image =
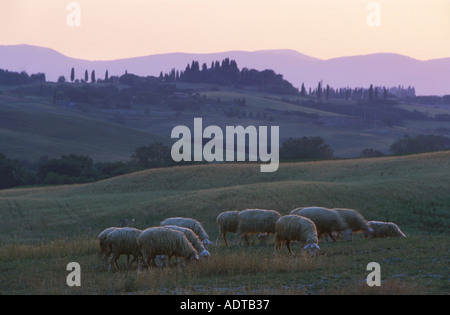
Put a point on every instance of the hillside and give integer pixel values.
(43, 229)
(109, 121)
(32, 127)
(411, 191)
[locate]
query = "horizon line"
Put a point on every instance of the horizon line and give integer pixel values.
(223, 52)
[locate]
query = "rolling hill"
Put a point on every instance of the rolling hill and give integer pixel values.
(45, 228)
(32, 127)
(409, 190)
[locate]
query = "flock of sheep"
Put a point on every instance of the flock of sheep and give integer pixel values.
(186, 238)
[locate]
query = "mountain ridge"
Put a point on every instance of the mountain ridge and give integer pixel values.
(429, 77)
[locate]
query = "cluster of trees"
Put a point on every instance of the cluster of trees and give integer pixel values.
(420, 143)
(228, 73)
(305, 148)
(411, 145)
(370, 93)
(19, 78)
(71, 169)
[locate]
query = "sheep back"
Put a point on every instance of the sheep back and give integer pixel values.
(163, 241)
(102, 238)
(122, 241)
(257, 221)
(326, 220)
(385, 229)
(189, 223)
(192, 238)
(295, 228)
(228, 221)
(354, 220)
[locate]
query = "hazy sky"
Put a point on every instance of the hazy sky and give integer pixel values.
(112, 29)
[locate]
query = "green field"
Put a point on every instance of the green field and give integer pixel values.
(33, 126)
(45, 228)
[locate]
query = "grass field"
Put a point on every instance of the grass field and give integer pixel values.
(45, 228)
(33, 126)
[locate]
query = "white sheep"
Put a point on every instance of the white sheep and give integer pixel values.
(193, 238)
(158, 241)
(123, 242)
(326, 220)
(102, 241)
(296, 228)
(256, 221)
(227, 221)
(189, 223)
(355, 221)
(385, 229)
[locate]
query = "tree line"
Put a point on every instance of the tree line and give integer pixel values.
(19, 78)
(71, 169)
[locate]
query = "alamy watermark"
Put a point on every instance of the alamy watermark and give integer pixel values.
(374, 17)
(74, 277)
(213, 150)
(74, 17)
(374, 277)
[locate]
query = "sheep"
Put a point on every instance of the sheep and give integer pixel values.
(385, 229)
(255, 221)
(189, 223)
(156, 241)
(193, 238)
(355, 221)
(326, 220)
(102, 238)
(296, 228)
(123, 242)
(227, 221)
(102, 241)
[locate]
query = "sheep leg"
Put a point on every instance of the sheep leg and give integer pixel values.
(332, 237)
(133, 260)
(105, 259)
(113, 261)
(224, 236)
(288, 245)
(246, 240)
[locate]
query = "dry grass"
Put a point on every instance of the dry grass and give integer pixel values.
(340, 268)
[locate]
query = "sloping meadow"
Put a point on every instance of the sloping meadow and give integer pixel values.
(45, 228)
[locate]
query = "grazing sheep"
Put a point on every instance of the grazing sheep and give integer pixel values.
(227, 221)
(192, 224)
(355, 221)
(385, 229)
(102, 241)
(326, 220)
(123, 242)
(296, 228)
(157, 241)
(102, 238)
(255, 221)
(193, 238)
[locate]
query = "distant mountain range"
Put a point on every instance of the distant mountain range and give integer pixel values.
(431, 77)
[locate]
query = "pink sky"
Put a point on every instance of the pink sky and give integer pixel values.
(113, 29)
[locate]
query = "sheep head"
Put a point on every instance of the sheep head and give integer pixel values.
(312, 248)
